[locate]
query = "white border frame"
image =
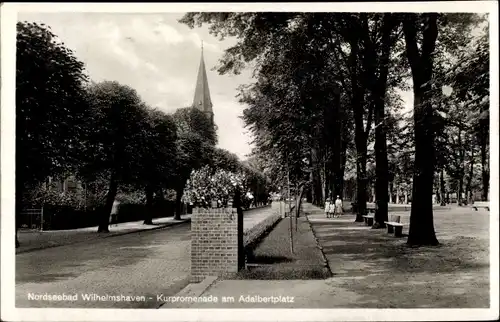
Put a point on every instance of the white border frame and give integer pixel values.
(8, 51)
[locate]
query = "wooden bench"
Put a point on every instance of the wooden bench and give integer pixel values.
(371, 208)
(369, 219)
(395, 226)
(481, 204)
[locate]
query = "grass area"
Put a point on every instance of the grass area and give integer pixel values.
(272, 258)
(379, 270)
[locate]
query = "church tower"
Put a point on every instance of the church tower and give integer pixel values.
(202, 100)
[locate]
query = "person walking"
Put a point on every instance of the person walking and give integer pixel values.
(113, 219)
(327, 208)
(338, 207)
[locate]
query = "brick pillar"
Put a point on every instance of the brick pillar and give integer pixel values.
(215, 242)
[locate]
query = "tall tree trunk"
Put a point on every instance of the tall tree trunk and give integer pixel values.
(437, 200)
(148, 216)
(298, 200)
(485, 173)
(338, 145)
(377, 86)
(461, 153)
(310, 192)
(323, 176)
(110, 198)
(382, 167)
(360, 139)
(327, 183)
(360, 135)
(421, 230)
(316, 177)
(391, 190)
(471, 175)
(340, 175)
(361, 184)
(443, 188)
(460, 190)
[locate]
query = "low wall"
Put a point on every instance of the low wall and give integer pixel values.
(219, 244)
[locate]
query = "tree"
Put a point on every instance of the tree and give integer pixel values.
(155, 169)
(225, 160)
(115, 139)
(421, 63)
(469, 80)
(190, 119)
(50, 107)
(377, 58)
(195, 143)
(461, 96)
(301, 60)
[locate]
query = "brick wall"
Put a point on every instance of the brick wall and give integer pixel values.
(215, 246)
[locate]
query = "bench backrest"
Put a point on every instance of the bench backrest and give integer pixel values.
(395, 218)
(481, 204)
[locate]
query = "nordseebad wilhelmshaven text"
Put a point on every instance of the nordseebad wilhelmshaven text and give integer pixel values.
(91, 297)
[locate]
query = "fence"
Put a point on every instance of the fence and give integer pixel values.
(31, 219)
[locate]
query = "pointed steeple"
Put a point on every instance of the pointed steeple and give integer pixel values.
(202, 100)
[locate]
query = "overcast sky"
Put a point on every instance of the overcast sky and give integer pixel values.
(157, 56)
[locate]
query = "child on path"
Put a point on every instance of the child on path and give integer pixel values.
(338, 207)
(327, 208)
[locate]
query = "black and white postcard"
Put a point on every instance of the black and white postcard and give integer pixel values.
(249, 161)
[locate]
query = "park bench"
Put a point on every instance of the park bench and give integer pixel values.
(395, 226)
(369, 219)
(481, 204)
(370, 215)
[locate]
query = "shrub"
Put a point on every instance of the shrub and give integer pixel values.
(206, 185)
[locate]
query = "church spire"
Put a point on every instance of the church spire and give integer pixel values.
(202, 100)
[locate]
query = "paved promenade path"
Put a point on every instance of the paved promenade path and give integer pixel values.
(146, 263)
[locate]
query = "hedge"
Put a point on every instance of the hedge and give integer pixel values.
(65, 217)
